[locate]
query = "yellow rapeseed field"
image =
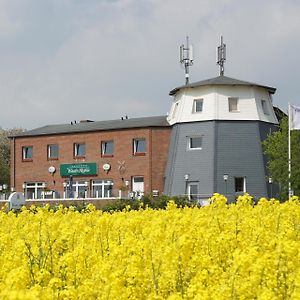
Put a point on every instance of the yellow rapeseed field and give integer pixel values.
(221, 251)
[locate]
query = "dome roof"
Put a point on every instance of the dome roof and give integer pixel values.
(221, 80)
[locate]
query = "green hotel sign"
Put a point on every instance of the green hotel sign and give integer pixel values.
(80, 169)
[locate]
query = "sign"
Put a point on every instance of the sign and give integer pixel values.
(16, 200)
(80, 169)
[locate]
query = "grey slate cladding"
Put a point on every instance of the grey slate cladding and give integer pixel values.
(229, 147)
(156, 121)
(221, 80)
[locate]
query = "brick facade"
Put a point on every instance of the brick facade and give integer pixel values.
(150, 165)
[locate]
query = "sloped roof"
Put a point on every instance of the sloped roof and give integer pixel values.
(221, 80)
(156, 121)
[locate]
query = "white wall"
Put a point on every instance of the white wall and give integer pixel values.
(215, 104)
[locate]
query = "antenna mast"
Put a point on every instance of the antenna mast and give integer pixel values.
(221, 56)
(186, 58)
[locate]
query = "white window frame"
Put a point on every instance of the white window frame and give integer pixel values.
(37, 186)
(244, 185)
(195, 102)
(102, 183)
(103, 147)
(76, 149)
(25, 152)
(76, 185)
(190, 143)
(189, 185)
(231, 99)
(49, 151)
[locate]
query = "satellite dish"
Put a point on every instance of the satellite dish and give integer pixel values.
(106, 167)
(51, 169)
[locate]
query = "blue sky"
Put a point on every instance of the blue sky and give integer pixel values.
(65, 60)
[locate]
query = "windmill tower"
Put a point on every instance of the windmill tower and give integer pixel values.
(217, 128)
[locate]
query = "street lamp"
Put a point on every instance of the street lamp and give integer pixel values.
(186, 178)
(271, 186)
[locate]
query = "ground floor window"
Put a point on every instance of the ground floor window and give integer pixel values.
(33, 190)
(102, 188)
(76, 189)
(240, 184)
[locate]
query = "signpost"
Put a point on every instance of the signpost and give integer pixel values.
(80, 169)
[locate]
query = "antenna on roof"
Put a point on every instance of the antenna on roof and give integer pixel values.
(186, 58)
(221, 56)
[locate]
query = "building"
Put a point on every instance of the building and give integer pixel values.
(217, 129)
(104, 160)
(210, 142)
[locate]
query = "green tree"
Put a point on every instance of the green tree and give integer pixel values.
(276, 148)
(5, 153)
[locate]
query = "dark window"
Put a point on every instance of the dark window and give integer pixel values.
(195, 142)
(240, 184)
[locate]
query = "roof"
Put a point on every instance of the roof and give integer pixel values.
(156, 121)
(221, 80)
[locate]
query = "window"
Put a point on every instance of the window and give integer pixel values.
(197, 105)
(175, 110)
(107, 148)
(75, 189)
(264, 107)
(79, 149)
(102, 188)
(52, 151)
(240, 184)
(137, 186)
(193, 190)
(33, 190)
(233, 104)
(139, 146)
(195, 142)
(27, 152)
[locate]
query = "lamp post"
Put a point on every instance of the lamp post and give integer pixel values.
(271, 186)
(186, 178)
(225, 177)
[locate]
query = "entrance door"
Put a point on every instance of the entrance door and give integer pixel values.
(192, 190)
(138, 186)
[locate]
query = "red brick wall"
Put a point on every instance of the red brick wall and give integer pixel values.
(151, 166)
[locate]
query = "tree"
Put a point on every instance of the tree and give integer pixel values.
(5, 153)
(276, 148)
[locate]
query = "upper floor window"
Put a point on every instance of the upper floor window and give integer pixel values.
(139, 146)
(27, 152)
(264, 107)
(197, 105)
(174, 110)
(195, 143)
(79, 149)
(107, 148)
(52, 151)
(233, 104)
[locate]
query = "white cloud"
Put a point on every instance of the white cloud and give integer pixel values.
(67, 60)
